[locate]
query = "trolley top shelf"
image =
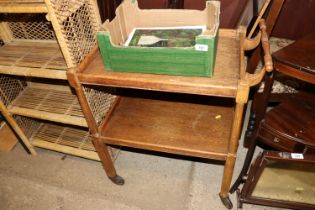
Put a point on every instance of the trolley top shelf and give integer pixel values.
(223, 83)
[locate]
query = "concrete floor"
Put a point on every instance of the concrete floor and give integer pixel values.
(155, 181)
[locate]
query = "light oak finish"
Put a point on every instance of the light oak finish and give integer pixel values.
(22, 8)
(66, 149)
(48, 104)
(29, 58)
(21, 1)
(63, 33)
(169, 124)
(185, 128)
(16, 128)
(64, 139)
(223, 83)
(260, 16)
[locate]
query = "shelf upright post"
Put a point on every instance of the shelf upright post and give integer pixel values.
(16, 128)
(100, 147)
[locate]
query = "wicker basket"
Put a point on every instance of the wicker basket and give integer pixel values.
(42, 38)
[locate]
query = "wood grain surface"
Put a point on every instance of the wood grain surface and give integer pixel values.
(179, 127)
(223, 83)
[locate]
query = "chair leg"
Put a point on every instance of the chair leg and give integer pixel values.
(247, 161)
(107, 162)
(239, 200)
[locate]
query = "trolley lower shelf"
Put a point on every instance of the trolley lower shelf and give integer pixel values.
(184, 128)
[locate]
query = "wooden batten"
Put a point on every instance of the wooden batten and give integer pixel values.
(66, 149)
(23, 8)
(33, 72)
(96, 14)
(260, 15)
(242, 34)
(62, 118)
(4, 111)
(59, 35)
(48, 86)
(5, 33)
(229, 33)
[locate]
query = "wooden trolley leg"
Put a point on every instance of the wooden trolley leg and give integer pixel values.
(17, 129)
(231, 157)
(107, 162)
(226, 181)
(100, 147)
(258, 109)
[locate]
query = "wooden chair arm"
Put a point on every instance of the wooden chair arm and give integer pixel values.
(254, 79)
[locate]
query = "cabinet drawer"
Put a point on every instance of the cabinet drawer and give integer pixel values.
(275, 140)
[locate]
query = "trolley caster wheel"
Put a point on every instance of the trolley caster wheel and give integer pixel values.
(117, 180)
(227, 202)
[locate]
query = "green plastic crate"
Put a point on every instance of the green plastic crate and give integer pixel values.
(191, 61)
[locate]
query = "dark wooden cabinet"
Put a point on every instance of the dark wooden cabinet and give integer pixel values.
(230, 10)
(153, 4)
(108, 7)
(296, 19)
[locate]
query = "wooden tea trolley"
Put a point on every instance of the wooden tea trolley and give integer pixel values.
(207, 130)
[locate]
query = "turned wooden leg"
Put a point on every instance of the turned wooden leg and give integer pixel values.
(107, 162)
